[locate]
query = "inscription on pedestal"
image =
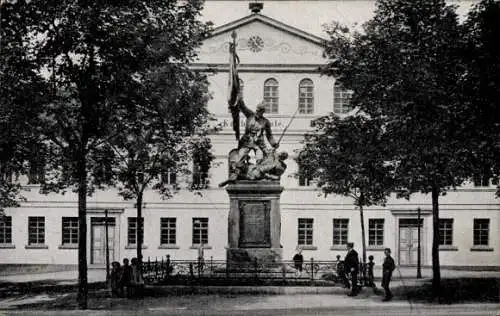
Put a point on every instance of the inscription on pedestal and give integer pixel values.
(254, 224)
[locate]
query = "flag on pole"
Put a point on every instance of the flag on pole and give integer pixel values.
(234, 86)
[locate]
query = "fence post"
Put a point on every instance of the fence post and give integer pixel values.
(283, 272)
(211, 265)
(156, 269)
(148, 268)
(168, 266)
(161, 268)
(312, 269)
(255, 268)
(199, 267)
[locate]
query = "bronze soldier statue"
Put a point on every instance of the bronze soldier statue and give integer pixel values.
(257, 128)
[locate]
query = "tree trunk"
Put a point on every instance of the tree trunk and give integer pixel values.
(436, 273)
(363, 242)
(138, 231)
(82, 237)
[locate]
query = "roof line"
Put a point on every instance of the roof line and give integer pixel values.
(269, 21)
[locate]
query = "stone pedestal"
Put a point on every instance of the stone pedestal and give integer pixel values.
(254, 224)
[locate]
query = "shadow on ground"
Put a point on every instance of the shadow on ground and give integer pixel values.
(9, 289)
(44, 296)
(456, 290)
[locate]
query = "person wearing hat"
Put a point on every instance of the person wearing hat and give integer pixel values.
(387, 267)
(257, 129)
(351, 264)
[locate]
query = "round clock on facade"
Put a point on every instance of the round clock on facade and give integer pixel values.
(255, 43)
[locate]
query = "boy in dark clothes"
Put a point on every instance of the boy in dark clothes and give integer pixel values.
(126, 276)
(387, 267)
(370, 272)
(298, 260)
(114, 279)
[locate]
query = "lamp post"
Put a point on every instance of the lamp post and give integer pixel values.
(419, 266)
(107, 243)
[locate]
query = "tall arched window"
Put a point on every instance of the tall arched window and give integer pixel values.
(341, 99)
(271, 95)
(306, 96)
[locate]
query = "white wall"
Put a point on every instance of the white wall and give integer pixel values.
(295, 203)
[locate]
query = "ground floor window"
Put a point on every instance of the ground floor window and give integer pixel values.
(6, 230)
(132, 230)
(168, 230)
(446, 231)
(200, 230)
(69, 230)
(305, 227)
(36, 230)
(340, 231)
(481, 231)
(376, 232)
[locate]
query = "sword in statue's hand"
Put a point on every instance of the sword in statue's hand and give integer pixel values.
(287, 126)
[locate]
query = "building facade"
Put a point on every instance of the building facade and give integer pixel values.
(279, 63)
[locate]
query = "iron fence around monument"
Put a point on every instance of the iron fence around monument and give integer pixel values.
(209, 271)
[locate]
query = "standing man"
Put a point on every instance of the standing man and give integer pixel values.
(387, 267)
(351, 264)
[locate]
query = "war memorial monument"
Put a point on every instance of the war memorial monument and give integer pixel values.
(254, 221)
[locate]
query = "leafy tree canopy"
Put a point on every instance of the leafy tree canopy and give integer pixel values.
(99, 59)
(403, 68)
(165, 135)
(406, 68)
(21, 97)
(481, 87)
(348, 157)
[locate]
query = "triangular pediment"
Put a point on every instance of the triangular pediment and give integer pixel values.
(262, 40)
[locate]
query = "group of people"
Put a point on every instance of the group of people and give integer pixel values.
(126, 280)
(351, 267)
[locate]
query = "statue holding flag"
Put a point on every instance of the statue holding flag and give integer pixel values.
(257, 127)
(234, 86)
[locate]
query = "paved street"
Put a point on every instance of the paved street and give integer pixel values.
(224, 300)
(308, 304)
